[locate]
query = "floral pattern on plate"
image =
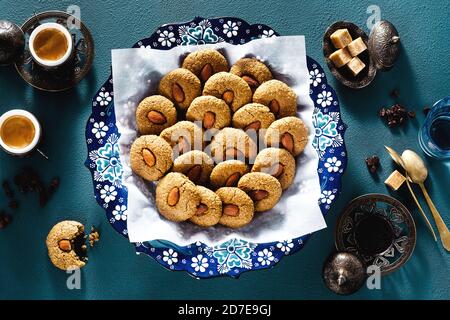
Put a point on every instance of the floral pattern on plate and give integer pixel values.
(234, 256)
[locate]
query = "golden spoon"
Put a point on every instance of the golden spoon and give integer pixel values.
(415, 167)
(396, 157)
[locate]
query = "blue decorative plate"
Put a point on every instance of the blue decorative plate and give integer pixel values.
(234, 256)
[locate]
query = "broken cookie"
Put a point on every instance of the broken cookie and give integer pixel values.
(65, 244)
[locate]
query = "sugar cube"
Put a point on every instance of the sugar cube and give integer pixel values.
(340, 57)
(341, 38)
(356, 66)
(395, 180)
(356, 47)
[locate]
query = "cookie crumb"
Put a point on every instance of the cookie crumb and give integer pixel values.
(94, 236)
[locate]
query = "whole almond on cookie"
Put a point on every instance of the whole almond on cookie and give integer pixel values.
(287, 141)
(253, 126)
(206, 72)
(251, 82)
(228, 97)
(231, 210)
(65, 245)
(233, 180)
(177, 93)
(258, 195)
(201, 209)
(156, 117)
(149, 157)
(173, 197)
(209, 119)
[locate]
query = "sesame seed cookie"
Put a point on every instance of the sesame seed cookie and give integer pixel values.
(289, 133)
(278, 96)
(150, 157)
(181, 86)
(204, 63)
(65, 244)
(212, 112)
(262, 188)
(183, 136)
(154, 114)
(278, 163)
(209, 210)
(232, 143)
(230, 88)
(253, 116)
(237, 207)
(228, 173)
(253, 71)
(195, 164)
(177, 198)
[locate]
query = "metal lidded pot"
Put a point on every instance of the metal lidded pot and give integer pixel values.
(344, 273)
(383, 47)
(12, 42)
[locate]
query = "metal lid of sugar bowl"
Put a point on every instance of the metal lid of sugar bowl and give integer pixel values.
(12, 42)
(384, 44)
(344, 273)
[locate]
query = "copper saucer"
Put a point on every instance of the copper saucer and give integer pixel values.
(395, 214)
(68, 75)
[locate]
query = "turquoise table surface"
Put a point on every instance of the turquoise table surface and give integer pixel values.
(421, 74)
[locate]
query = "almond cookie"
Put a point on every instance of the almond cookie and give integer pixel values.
(227, 173)
(209, 210)
(150, 157)
(230, 88)
(65, 244)
(181, 86)
(212, 112)
(232, 143)
(204, 63)
(253, 71)
(183, 136)
(253, 116)
(237, 207)
(177, 198)
(196, 165)
(154, 114)
(289, 133)
(278, 96)
(262, 188)
(278, 163)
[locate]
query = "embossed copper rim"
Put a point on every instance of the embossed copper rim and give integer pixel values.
(30, 23)
(401, 209)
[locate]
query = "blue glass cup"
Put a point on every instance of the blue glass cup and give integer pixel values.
(434, 136)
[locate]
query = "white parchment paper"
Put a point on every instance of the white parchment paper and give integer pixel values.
(136, 74)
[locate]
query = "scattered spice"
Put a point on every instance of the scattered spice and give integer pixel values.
(373, 163)
(14, 204)
(396, 115)
(411, 114)
(7, 188)
(395, 94)
(29, 181)
(94, 236)
(54, 184)
(5, 219)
